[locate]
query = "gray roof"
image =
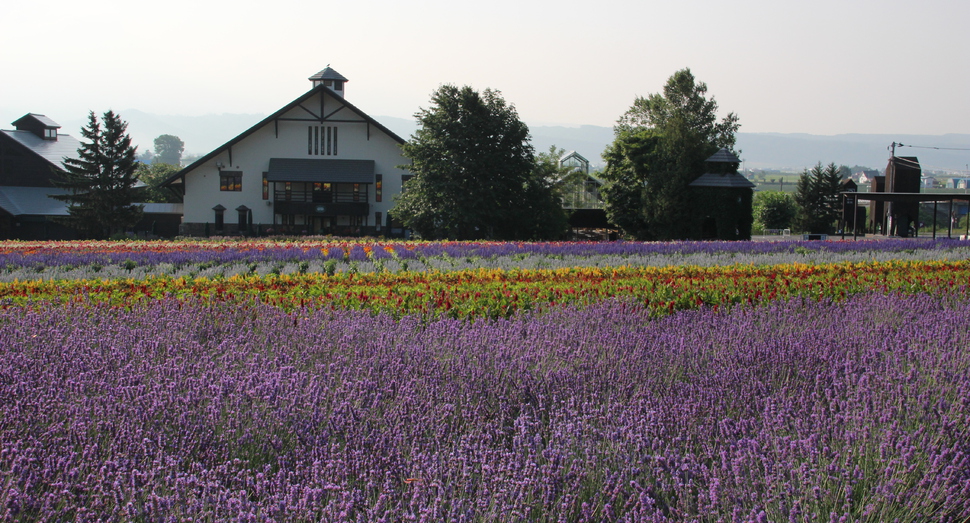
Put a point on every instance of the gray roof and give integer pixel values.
(53, 151)
(724, 156)
(328, 74)
(40, 118)
(162, 208)
(314, 170)
(32, 201)
(729, 180)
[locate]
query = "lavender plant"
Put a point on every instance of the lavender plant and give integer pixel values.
(175, 411)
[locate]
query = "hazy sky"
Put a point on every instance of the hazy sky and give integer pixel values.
(820, 67)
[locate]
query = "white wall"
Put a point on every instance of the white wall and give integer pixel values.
(252, 155)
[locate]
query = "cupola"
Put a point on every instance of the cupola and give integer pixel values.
(330, 78)
(38, 124)
(723, 172)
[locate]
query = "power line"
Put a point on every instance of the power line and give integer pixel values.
(937, 148)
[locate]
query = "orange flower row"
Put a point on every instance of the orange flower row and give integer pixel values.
(495, 292)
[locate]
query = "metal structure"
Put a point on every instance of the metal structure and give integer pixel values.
(910, 199)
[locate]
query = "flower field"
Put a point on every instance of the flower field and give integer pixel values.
(326, 381)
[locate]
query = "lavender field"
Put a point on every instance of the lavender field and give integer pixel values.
(200, 411)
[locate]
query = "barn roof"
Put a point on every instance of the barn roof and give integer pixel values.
(54, 151)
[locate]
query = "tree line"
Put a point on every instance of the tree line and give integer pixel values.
(475, 174)
(814, 207)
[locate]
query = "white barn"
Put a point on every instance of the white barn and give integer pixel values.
(319, 165)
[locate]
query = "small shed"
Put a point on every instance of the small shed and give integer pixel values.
(722, 200)
(902, 176)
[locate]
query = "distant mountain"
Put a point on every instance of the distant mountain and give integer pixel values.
(794, 152)
(799, 151)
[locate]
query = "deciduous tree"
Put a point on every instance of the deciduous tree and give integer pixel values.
(152, 176)
(475, 172)
(660, 147)
(774, 209)
(169, 149)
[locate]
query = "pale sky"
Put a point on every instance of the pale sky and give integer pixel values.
(820, 67)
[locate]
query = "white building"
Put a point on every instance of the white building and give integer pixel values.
(319, 165)
(960, 183)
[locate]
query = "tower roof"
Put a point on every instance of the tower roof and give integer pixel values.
(327, 74)
(724, 156)
(729, 180)
(33, 118)
(728, 177)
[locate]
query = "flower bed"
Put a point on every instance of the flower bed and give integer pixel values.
(79, 260)
(356, 381)
(498, 293)
(200, 410)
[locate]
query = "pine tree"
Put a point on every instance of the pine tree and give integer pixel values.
(817, 197)
(101, 180)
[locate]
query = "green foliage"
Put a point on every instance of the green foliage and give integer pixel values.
(169, 149)
(660, 147)
(774, 210)
(817, 198)
(547, 164)
(631, 163)
(101, 180)
(569, 183)
(558, 177)
(475, 173)
(152, 176)
(682, 108)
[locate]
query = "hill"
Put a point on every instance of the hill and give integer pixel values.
(790, 152)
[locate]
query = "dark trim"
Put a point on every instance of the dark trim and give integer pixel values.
(311, 113)
(330, 209)
(327, 117)
(315, 120)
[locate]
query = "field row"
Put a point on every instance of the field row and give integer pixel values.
(181, 410)
(499, 293)
(106, 260)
